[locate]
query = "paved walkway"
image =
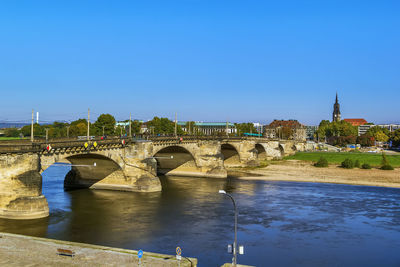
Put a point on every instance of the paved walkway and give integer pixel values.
(19, 250)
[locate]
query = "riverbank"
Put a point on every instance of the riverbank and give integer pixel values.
(20, 250)
(303, 171)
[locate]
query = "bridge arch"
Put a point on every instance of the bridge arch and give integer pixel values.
(89, 169)
(261, 152)
(174, 160)
(47, 160)
(281, 148)
(231, 155)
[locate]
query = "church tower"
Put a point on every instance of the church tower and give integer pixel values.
(336, 110)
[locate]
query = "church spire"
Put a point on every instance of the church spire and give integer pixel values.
(336, 110)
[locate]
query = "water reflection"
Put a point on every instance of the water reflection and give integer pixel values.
(280, 223)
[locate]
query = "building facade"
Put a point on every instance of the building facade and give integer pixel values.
(285, 129)
(363, 129)
(310, 132)
(209, 128)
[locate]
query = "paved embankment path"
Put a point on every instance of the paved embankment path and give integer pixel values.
(19, 250)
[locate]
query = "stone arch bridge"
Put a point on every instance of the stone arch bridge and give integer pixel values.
(121, 164)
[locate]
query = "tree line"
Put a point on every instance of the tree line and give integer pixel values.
(104, 125)
(342, 133)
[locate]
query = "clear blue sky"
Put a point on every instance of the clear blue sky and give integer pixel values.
(207, 60)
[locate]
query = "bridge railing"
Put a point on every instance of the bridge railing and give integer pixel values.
(38, 145)
(21, 146)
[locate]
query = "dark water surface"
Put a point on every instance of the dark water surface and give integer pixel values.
(280, 223)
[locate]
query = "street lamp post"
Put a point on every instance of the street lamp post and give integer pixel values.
(234, 259)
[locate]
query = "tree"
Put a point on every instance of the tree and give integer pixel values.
(108, 122)
(376, 129)
(246, 127)
(57, 129)
(163, 126)
(380, 134)
(11, 132)
(322, 129)
(366, 140)
(78, 129)
(381, 137)
(38, 130)
(136, 127)
(395, 138)
(337, 133)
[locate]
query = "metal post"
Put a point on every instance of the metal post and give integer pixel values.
(68, 131)
(32, 128)
(227, 134)
(234, 259)
(130, 124)
(103, 129)
(176, 125)
(47, 134)
(88, 123)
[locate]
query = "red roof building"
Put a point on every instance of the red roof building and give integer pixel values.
(276, 129)
(356, 122)
(288, 123)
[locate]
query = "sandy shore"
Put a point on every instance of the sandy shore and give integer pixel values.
(300, 171)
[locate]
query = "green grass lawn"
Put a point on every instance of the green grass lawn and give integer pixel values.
(3, 138)
(336, 158)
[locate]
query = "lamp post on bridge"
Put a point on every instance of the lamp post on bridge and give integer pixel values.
(88, 124)
(32, 128)
(176, 125)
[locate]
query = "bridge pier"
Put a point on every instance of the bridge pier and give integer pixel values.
(248, 153)
(21, 187)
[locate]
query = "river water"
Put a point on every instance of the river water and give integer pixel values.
(280, 223)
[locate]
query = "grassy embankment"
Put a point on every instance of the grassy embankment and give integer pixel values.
(374, 160)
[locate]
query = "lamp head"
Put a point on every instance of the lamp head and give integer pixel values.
(222, 192)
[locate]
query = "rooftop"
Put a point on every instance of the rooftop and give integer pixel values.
(286, 123)
(356, 122)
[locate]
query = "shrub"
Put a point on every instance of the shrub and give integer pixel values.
(387, 167)
(385, 163)
(322, 162)
(366, 166)
(348, 164)
(357, 164)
